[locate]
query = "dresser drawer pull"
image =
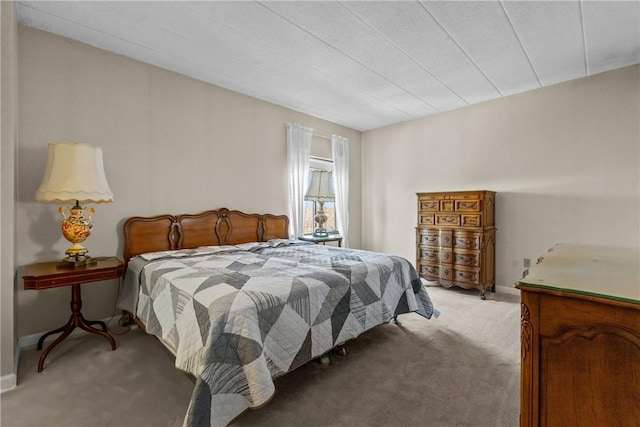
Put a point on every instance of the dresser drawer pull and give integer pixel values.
(468, 206)
(430, 255)
(466, 259)
(465, 242)
(427, 239)
(432, 270)
(449, 219)
(468, 276)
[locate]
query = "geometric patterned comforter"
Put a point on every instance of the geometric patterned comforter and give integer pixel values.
(238, 316)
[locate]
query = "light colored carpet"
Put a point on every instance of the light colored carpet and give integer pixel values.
(461, 369)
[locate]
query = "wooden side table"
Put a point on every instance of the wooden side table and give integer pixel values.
(48, 275)
(323, 240)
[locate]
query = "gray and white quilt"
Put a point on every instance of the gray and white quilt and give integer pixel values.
(238, 316)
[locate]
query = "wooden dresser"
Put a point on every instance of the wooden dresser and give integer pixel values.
(580, 332)
(455, 239)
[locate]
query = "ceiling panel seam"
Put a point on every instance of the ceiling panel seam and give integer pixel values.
(524, 49)
(91, 29)
(584, 39)
(355, 60)
(326, 59)
(152, 23)
(460, 47)
(146, 21)
(220, 78)
(333, 77)
(423, 67)
(141, 46)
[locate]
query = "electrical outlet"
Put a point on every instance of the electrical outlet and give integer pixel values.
(125, 319)
(527, 262)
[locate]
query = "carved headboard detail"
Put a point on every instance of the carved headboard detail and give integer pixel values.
(209, 228)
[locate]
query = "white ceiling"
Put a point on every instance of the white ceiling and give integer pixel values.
(361, 64)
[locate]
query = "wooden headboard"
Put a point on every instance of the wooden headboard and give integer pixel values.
(209, 228)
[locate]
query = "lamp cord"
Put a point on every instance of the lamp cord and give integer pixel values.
(125, 328)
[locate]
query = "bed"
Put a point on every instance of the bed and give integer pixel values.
(239, 303)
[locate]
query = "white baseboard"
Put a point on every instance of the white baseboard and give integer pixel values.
(503, 289)
(508, 290)
(29, 340)
(7, 382)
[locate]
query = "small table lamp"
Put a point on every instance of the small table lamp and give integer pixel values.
(75, 173)
(320, 191)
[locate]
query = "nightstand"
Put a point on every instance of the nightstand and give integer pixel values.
(48, 275)
(323, 240)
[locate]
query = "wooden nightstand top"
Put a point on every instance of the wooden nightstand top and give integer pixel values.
(54, 274)
(329, 238)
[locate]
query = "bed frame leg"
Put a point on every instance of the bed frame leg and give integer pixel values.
(340, 351)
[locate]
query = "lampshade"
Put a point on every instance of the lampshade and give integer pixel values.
(74, 171)
(320, 187)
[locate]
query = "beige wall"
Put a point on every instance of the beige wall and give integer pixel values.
(8, 109)
(171, 144)
(563, 159)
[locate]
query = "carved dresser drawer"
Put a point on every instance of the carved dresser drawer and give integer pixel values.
(430, 205)
(466, 240)
(426, 219)
(455, 238)
(428, 237)
(467, 205)
(430, 271)
(471, 220)
(467, 258)
(435, 237)
(429, 254)
(470, 276)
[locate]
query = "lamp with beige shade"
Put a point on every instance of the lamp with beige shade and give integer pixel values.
(320, 191)
(75, 173)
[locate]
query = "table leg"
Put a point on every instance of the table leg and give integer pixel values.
(76, 320)
(55, 331)
(96, 322)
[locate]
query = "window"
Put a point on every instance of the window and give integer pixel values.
(310, 208)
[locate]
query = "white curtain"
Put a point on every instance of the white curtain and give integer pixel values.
(298, 151)
(340, 152)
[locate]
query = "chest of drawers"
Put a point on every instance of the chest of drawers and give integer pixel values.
(455, 239)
